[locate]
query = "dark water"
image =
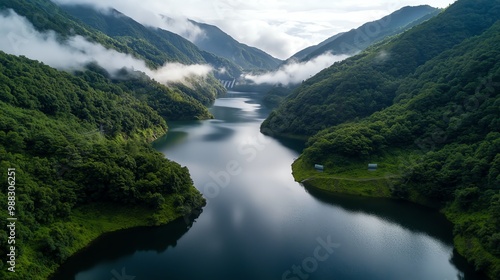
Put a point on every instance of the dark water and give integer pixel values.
(260, 224)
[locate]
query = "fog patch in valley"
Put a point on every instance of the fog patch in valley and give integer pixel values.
(295, 72)
(74, 52)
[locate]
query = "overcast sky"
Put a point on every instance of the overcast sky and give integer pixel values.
(278, 27)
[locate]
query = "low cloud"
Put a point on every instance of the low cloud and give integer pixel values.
(296, 72)
(178, 72)
(21, 38)
(148, 16)
(281, 28)
(182, 26)
(268, 37)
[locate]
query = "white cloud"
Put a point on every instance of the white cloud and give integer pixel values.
(150, 13)
(21, 38)
(295, 72)
(266, 36)
(178, 72)
(181, 26)
(280, 28)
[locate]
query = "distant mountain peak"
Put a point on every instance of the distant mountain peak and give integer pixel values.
(220, 43)
(184, 27)
(357, 39)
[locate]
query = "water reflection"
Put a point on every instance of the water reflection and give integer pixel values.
(262, 222)
(116, 245)
(405, 214)
(220, 133)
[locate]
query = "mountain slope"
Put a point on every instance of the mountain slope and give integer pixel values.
(366, 83)
(79, 146)
(155, 44)
(441, 138)
(130, 38)
(357, 40)
(47, 16)
(218, 42)
(369, 33)
(302, 54)
(424, 106)
(168, 46)
(160, 46)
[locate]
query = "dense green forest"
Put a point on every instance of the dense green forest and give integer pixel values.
(180, 100)
(45, 16)
(355, 41)
(121, 33)
(427, 111)
(366, 83)
(425, 105)
(80, 141)
(169, 102)
(274, 97)
(154, 44)
(77, 141)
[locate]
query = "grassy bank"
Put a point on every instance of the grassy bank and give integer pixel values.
(83, 226)
(355, 179)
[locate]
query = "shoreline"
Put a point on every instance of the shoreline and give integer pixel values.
(87, 223)
(115, 217)
(468, 247)
(92, 222)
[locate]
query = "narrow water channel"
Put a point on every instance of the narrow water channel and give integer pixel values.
(260, 224)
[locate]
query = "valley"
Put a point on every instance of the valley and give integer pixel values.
(147, 144)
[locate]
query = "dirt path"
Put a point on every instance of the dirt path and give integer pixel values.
(351, 179)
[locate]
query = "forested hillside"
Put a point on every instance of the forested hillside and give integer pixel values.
(354, 41)
(156, 45)
(119, 32)
(76, 142)
(428, 114)
(170, 103)
(366, 83)
(79, 141)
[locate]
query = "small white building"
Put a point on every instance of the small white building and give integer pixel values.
(319, 167)
(372, 166)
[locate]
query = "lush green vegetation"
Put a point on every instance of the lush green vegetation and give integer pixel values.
(159, 46)
(276, 95)
(169, 102)
(197, 88)
(119, 32)
(45, 16)
(156, 45)
(366, 83)
(353, 180)
(428, 115)
(78, 143)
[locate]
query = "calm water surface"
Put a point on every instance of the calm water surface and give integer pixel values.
(260, 224)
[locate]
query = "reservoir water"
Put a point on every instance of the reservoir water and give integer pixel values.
(260, 224)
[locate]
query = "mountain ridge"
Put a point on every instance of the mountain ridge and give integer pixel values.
(424, 106)
(357, 39)
(220, 43)
(327, 92)
(157, 45)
